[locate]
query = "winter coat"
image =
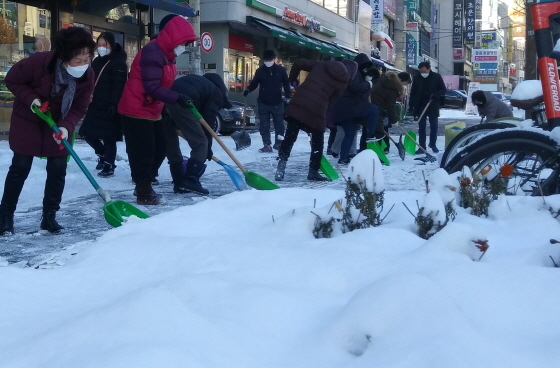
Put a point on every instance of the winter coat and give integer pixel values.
(153, 72)
(384, 94)
(324, 84)
(32, 78)
(494, 108)
(270, 82)
(424, 89)
(102, 120)
(356, 97)
(207, 92)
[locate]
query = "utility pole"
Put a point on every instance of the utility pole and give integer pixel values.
(530, 48)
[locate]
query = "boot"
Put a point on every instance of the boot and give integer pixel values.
(280, 170)
(49, 223)
(315, 176)
(266, 149)
(178, 175)
(6, 222)
(145, 195)
(100, 162)
(195, 170)
(108, 170)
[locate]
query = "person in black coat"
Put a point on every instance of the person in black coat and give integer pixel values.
(102, 126)
(208, 94)
(353, 109)
(270, 78)
(427, 88)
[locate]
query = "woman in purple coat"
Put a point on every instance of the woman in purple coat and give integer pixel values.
(64, 79)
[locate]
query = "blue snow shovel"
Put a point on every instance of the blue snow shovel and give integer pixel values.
(234, 175)
(114, 211)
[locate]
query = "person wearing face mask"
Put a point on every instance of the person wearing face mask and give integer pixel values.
(270, 78)
(64, 79)
(102, 126)
(427, 88)
(490, 106)
(146, 91)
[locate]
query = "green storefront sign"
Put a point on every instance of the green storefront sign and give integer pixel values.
(412, 5)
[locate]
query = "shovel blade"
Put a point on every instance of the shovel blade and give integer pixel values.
(377, 148)
(235, 177)
(259, 182)
(116, 211)
(410, 143)
(400, 149)
(328, 169)
(242, 140)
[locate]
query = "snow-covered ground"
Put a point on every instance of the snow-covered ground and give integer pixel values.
(240, 281)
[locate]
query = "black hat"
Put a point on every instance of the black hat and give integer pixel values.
(269, 55)
(164, 20)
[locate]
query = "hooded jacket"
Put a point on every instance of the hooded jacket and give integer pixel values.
(153, 71)
(324, 84)
(102, 120)
(493, 108)
(385, 93)
(33, 78)
(208, 93)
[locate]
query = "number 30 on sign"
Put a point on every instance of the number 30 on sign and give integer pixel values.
(206, 42)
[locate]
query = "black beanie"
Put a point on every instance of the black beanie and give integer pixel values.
(269, 55)
(164, 20)
(479, 96)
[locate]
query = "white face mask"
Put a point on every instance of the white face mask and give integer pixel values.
(179, 50)
(103, 51)
(368, 78)
(269, 63)
(77, 71)
(425, 75)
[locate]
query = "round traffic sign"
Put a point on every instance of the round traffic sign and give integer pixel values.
(207, 42)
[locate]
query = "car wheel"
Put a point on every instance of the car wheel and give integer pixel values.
(218, 124)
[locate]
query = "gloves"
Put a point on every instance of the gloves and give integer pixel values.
(184, 100)
(63, 134)
(245, 93)
(35, 102)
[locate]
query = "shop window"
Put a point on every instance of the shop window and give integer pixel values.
(241, 71)
(339, 7)
(120, 12)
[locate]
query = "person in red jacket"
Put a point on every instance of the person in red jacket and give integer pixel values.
(147, 90)
(64, 79)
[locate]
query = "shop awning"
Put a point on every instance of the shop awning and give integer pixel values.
(323, 47)
(351, 54)
(179, 7)
(377, 62)
(281, 33)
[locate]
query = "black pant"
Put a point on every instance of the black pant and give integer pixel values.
(317, 142)
(145, 146)
(18, 173)
(277, 113)
(107, 148)
(199, 140)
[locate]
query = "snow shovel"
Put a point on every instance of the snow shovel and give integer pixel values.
(378, 148)
(234, 176)
(428, 158)
(410, 139)
(399, 145)
(242, 138)
(252, 179)
(326, 167)
(114, 211)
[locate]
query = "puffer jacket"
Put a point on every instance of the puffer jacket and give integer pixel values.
(494, 108)
(153, 71)
(33, 78)
(384, 94)
(324, 84)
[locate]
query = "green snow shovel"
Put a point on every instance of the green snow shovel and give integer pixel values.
(410, 139)
(328, 169)
(252, 179)
(114, 211)
(378, 147)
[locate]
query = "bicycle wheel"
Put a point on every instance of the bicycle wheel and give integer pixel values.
(533, 156)
(468, 135)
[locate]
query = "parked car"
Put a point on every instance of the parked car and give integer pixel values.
(230, 120)
(453, 99)
(508, 101)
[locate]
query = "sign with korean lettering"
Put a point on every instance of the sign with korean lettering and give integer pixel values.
(486, 80)
(457, 23)
(485, 65)
(485, 72)
(469, 22)
(478, 9)
(485, 55)
(486, 37)
(411, 44)
(376, 11)
(457, 54)
(434, 24)
(412, 5)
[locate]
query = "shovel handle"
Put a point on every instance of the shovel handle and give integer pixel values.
(214, 135)
(391, 138)
(414, 140)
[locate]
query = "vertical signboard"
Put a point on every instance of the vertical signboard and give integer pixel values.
(478, 9)
(457, 23)
(469, 22)
(376, 11)
(434, 27)
(411, 43)
(412, 5)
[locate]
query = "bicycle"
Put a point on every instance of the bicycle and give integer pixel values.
(533, 154)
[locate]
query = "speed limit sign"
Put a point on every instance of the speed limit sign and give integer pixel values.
(207, 42)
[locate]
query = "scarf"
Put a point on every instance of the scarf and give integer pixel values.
(62, 78)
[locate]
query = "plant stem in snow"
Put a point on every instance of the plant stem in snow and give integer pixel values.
(405, 206)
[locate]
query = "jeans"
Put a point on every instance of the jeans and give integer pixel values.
(368, 118)
(433, 130)
(105, 148)
(277, 113)
(317, 142)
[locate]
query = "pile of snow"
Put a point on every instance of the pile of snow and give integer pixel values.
(527, 90)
